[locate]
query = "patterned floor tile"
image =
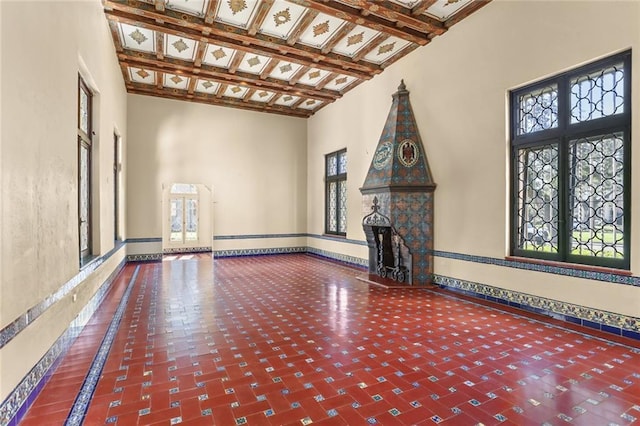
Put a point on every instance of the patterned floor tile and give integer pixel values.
(293, 339)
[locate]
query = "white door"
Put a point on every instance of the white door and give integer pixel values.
(183, 216)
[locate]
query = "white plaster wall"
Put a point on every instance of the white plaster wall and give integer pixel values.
(44, 47)
(255, 164)
(459, 85)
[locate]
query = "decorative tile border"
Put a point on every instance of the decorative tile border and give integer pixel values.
(23, 321)
(256, 236)
(610, 322)
(258, 252)
(83, 399)
(320, 237)
(342, 258)
(337, 239)
(144, 240)
(551, 269)
(15, 406)
(172, 250)
(150, 257)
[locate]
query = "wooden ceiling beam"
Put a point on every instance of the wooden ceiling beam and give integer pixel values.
(220, 41)
(136, 12)
(339, 35)
(275, 98)
(249, 94)
(159, 46)
(364, 51)
(200, 52)
(304, 23)
(159, 79)
(465, 11)
(235, 63)
(352, 14)
(259, 17)
(422, 6)
(221, 89)
(142, 89)
(266, 72)
(401, 16)
(326, 80)
(298, 75)
(113, 27)
(192, 85)
(210, 13)
(183, 68)
(159, 5)
(404, 52)
(297, 103)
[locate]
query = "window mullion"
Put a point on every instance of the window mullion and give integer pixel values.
(564, 184)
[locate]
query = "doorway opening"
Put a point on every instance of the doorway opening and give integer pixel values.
(187, 218)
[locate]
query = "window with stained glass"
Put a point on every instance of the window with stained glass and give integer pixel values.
(336, 193)
(85, 110)
(571, 167)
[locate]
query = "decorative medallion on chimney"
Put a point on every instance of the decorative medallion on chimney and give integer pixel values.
(398, 200)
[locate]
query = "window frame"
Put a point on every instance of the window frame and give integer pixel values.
(85, 140)
(562, 136)
(328, 179)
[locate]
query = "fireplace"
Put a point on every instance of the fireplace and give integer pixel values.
(398, 200)
(389, 256)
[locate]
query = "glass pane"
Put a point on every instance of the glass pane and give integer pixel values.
(84, 198)
(538, 110)
(84, 111)
(342, 190)
(538, 199)
(597, 196)
(191, 220)
(332, 165)
(176, 217)
(183, 188)
(342, 162)
(597, 95)
(332, 220)
(84, 236)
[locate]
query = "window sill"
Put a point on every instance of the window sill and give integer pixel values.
(86, 261)
(567, 265)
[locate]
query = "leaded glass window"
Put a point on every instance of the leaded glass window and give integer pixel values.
(84, 134)
(336, 193)
(570, 166)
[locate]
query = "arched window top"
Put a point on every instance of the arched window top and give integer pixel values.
(184, 188)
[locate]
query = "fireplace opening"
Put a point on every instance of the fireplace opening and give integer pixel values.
(389, 256)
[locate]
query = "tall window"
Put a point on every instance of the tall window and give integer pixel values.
(85, 112)
(336, 193)
(570, 165)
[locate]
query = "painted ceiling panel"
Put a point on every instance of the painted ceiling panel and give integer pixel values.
(140, 75)
(236, 12)
(289, 57)
(179, 47)
(355, 40)
(137, 38)
(174, 81)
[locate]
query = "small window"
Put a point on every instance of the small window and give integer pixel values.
(85, 167)
(570, 166)
(184, 188)
(336, 193)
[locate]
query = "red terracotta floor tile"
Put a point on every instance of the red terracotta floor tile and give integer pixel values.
(288, 339)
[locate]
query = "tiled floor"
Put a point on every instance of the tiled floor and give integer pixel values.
(293, 339)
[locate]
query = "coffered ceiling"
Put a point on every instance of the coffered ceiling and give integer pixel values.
(286, 57)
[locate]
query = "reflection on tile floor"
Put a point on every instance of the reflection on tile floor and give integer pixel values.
(293, 339)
